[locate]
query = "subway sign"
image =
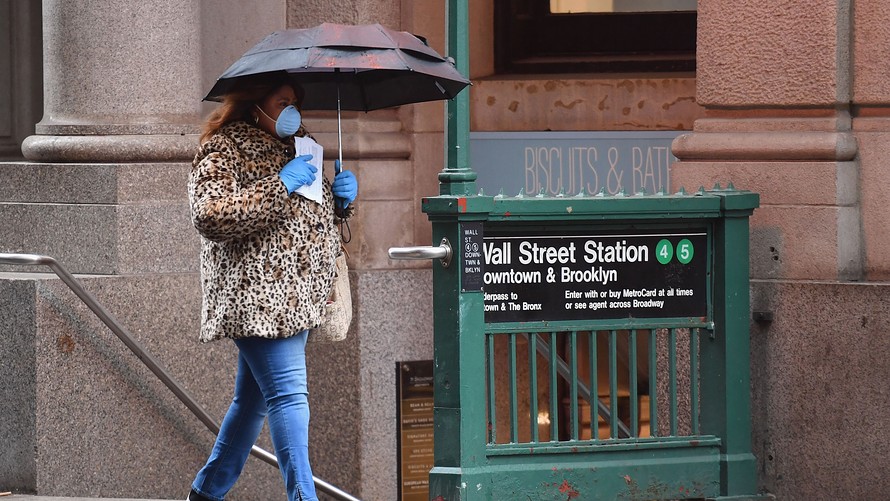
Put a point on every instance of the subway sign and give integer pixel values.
(657, 274)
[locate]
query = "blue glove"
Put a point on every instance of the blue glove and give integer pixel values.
(297, 172)
(345, 186)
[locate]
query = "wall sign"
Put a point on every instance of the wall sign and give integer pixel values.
(414, 416)
(471, 256)
(641, 274)
(572, 162)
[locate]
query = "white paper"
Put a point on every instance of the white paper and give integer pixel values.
(307, 146)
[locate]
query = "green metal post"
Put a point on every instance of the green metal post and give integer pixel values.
(459, 408)
(726, 392)
(457, 178)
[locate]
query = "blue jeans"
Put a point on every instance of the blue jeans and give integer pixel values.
(271, 381)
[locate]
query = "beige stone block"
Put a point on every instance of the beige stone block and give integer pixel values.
(308, 14)
(874, 150)
(754, 53)
(378, 226)
(787, 183)
(429, 160)
(427, 19)
(364, 145)
(541, 103)
(805, 243)
(791, 123)
(821, 366)
(385, 120)
(481, 17)
(423, 230)
(871, 37)
(377, 134)
(385, 180)
(425, 117)
(224, 37)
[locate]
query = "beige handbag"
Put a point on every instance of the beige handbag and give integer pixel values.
(338, 311)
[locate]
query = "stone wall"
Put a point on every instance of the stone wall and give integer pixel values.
(796, 111)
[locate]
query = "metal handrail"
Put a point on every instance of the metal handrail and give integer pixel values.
(149, 361)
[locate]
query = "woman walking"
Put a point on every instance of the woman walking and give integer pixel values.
(267, 267)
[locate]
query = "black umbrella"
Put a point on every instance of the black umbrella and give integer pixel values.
(349, 67)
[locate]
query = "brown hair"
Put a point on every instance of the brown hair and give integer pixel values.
(238, 103)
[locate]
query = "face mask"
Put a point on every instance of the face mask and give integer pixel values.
(288, 122)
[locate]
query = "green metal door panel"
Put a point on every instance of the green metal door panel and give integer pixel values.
(459, 410)
(446, 433)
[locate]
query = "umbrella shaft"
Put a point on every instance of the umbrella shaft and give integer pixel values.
(339, 134)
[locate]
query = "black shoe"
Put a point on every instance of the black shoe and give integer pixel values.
(194, 496)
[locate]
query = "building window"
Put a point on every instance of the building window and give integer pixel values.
(572, 36)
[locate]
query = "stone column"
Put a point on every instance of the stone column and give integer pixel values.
(121, 82)
(775, 80)
(871, 125)
(104, 191)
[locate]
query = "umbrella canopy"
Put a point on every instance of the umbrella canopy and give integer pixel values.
(349, 67)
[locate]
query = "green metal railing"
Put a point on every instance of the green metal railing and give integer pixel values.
(521, 368)
(703, 452)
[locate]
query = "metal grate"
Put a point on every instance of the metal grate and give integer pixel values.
(594, 387)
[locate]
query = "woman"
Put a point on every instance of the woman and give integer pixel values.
(267, 266)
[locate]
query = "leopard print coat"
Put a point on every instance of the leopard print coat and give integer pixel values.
(267, 259)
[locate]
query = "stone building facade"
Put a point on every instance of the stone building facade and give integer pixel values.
(99, 118)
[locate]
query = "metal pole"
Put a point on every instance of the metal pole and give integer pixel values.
(458, 178)
(339, 133)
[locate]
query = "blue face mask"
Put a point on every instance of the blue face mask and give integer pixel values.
(288, 122)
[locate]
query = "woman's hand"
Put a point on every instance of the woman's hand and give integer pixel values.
(297, 172)
(345, 187)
